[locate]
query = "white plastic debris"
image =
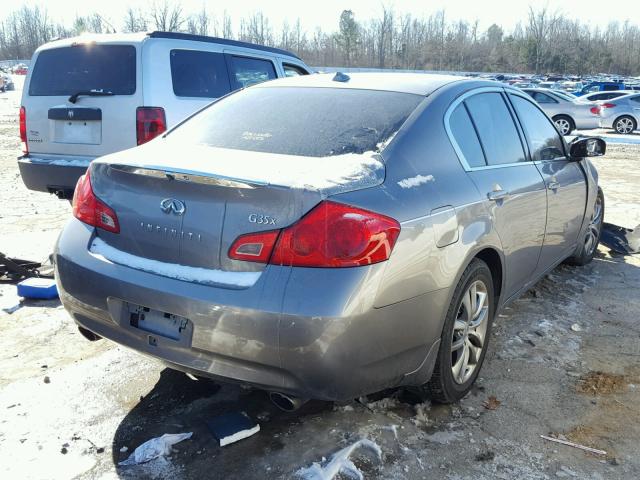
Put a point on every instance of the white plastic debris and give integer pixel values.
(576, 327)
(154, 448)
(340, 463)
(124, 449)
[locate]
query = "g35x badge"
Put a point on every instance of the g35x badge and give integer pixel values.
(261, 219)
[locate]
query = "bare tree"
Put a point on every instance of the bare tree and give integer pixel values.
(166, 16)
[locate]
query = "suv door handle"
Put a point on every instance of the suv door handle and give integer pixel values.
(553, 185)
(496, 195)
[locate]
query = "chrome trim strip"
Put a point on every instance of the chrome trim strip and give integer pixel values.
(188, 176)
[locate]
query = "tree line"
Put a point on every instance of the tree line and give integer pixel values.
(544, 41)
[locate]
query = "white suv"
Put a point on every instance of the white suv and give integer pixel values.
(97, 94)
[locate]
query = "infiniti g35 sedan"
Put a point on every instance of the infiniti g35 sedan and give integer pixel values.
(330, 236)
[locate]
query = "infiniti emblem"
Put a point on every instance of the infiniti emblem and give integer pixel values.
(171, 205)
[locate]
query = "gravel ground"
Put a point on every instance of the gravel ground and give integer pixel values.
(563, 361)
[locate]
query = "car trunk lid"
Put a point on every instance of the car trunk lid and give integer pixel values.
(189, 208)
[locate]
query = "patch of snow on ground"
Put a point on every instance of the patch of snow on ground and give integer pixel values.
(415, 181)
(340, 463)
(172, 270)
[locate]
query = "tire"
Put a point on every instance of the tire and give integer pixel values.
(589, 244)
(565, 124)
(446, 386)
(625, 125)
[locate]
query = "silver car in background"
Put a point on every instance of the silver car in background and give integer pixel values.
(602, 96)
(330, 236)
(622, 113)
(564, 110)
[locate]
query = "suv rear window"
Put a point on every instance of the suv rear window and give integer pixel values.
(199, 74)
(314, 122)
(68, 70)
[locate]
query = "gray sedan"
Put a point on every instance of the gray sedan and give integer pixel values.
(330, 236)
(622, 113)
(567, 113)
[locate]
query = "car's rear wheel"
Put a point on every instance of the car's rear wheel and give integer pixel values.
(589, 244)
(564, 123)
(624, 125)
(465, 335)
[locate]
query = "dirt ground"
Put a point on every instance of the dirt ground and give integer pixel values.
(564, 362)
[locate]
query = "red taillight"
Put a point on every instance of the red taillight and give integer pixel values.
(254, 247)
(595, 110)
(607, 105)
(89, 209)
(150, 122)
(330, 235)
(23, 130)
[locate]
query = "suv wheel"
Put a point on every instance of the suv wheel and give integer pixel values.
(587, 248)
(465, 335)
(564, 124)
(624, 125)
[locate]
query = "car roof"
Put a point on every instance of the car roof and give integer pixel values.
(416, 83)
(115, 38)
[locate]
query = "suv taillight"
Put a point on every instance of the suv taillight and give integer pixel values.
(607, 105)
(90, 209)
(330, 235)
(150, 122)
(595, 110)
(23, 130)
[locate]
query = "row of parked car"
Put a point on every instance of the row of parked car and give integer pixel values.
(619, 110)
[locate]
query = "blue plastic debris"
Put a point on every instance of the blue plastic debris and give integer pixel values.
(232, 427)
(38, 288)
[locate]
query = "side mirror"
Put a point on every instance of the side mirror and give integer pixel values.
(583, 147)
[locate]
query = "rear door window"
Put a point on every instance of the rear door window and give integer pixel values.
(464, 134)
(542, 97)
(498, 134)
(544, 139)
(247, 71)
(199, 74)
(68, 70)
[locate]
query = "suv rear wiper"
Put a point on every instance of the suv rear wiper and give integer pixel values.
(89, 93)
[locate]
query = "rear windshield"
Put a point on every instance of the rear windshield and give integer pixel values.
(68, 70)
(314, 122)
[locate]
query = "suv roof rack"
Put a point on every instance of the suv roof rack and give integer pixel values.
(224, 41)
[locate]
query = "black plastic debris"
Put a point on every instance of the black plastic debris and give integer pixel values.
(232, 427)
(620, 239)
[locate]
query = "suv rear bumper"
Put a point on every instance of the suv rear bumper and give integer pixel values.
(52, 173)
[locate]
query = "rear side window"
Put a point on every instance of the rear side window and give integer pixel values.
(68, 70)
(545, 142)
(542, 97)
(293, 70)
(199, 74)
(498, 134)
(608, 88)
(312, 122)
(465, 136)
(248, 71)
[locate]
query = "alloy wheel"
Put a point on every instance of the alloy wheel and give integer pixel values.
(624, 125)
(593, 231)
(469, 332)
(563, 125)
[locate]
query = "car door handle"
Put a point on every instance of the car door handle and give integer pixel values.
(553, 185)
(496, 195)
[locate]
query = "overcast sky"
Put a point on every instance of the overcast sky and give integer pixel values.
(325, 13)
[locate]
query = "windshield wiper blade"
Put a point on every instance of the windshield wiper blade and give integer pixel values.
(89, 93)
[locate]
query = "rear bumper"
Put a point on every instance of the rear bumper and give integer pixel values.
(54, 174)
(308, 332)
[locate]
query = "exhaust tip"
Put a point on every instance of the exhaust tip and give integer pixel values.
(285, 402)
